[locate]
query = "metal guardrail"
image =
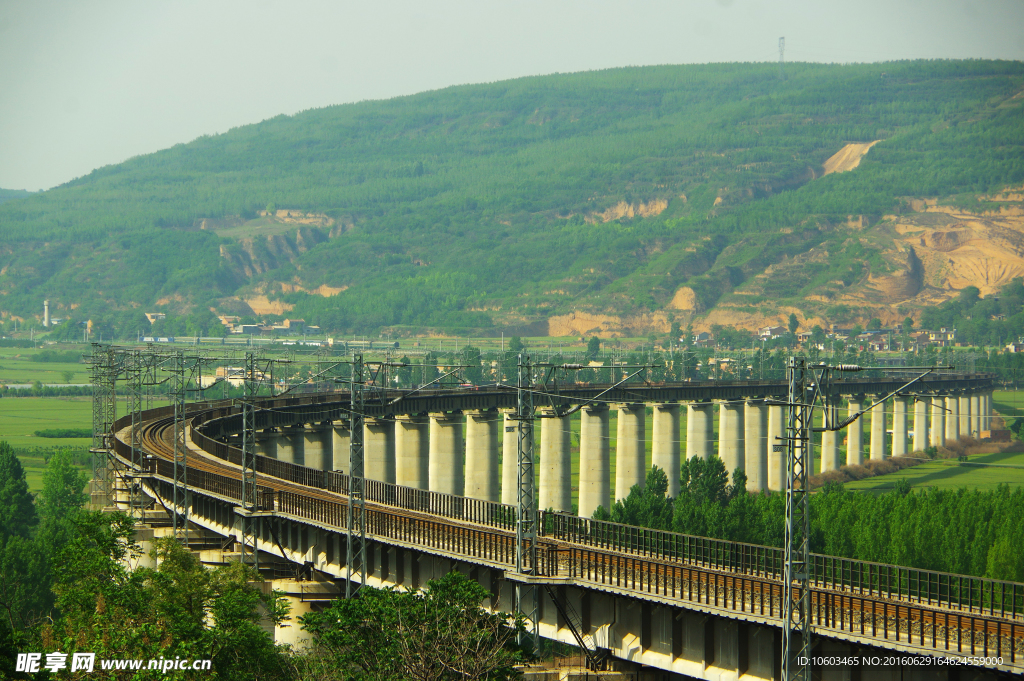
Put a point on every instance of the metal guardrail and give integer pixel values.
(960, 593)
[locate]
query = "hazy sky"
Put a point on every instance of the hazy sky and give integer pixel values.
(86, 84)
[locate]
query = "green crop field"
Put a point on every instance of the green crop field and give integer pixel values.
(20, 417)
(17, 367)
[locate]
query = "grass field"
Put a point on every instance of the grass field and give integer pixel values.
(21, 417)
(17, 367)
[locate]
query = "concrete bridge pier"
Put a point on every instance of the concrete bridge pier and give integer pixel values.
(964, 405)
(731, 449)
(855, 432)
(379, 449)
(937, 435)
(976, 414)
(510, 458)
(267, 443)
(920, 424)
(986, 411)
(341, 445)
(446, 472)
(755, 444)
(313, 445)
(700, 431)
(412, 450)
(482, 454)
(952, 417)
(777, 479)
(899, 426)
(595, 459)
(630, 457)
(829, 451)
(878, 449)
(665, 443)
(289, 445)
(555, 462)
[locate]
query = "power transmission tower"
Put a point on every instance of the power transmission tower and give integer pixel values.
(134, 370)
(797, 594)
(782, 50)
(809, 386)
(256, 371)
(104, 413)
(527, 595)
(179, 376)
(356, 527)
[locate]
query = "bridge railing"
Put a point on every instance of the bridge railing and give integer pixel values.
(959, 593)
(451, 506)
(718, 554)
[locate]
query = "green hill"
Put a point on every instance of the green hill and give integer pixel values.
(638, 196)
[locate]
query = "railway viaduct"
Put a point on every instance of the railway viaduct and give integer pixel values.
(437, 500)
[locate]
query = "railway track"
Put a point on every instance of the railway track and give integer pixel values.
(748, 585)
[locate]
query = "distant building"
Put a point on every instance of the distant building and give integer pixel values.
(155, 316)
(771, 332)
(702, 338)
(943, 337)
(1015, 347)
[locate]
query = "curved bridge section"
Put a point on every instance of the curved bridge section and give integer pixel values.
(692, 605)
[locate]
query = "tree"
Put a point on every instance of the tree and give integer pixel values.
(875, 324)
(179, 609)
(67, 376)
(647, 506)
(593, 347)
(794, 323)
(908, 325)
(19, 561)
(516, 345)
(439, 633)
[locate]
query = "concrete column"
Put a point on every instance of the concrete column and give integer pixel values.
(412, 450)
(341, 445)
(878, 449)
(976, 414)
(665, 444)
(269, 439)
(555, 463)
(921, 424)
(482, 454)
(313, 447)
(379, 449)
(630, 458)
(777, 479)
(855, 433)
(595, 460)
(965, 414)
(829, 451)
(952, 417)
(289, 445)
(986, 411)
(937, 434)
(899, 426)
(730, 436)
(755, 441)
(700, 430)
(509, 459)
(446, 469)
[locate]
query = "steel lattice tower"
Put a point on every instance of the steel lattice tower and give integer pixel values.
(527, 595)
(250, 520)
(104, 413)
(356, 529)
(797, 593)
(178, 383)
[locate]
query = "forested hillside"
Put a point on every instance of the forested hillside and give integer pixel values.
(620, 200)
